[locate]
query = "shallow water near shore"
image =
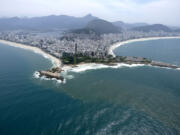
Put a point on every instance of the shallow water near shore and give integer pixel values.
(126, 100)
(165, 50)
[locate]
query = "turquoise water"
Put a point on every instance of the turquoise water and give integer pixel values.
(161, 50)
(139, 100)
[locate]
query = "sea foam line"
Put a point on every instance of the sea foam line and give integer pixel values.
(81, 67)
(36, 75)
(116, 45)
(93, 66)
(55, 61)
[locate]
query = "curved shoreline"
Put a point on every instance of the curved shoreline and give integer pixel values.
(116, 45)
(82, 67)
(55, 61)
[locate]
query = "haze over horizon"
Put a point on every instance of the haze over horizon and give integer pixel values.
(149, 11)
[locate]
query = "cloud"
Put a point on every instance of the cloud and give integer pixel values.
(151, 11)
(159, 11)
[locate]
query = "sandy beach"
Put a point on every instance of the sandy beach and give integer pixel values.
(83, 66)
(114, 46)
(55, 61)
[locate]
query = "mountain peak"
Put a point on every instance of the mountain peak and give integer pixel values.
(101, 26)
(89, 15)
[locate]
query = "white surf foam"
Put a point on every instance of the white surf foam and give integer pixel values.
(82, 68)
(93, 66)
(116, 45)
(37, 76)
(55, 62)
(86, 67)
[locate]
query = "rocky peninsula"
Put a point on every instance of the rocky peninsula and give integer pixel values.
(72, 61)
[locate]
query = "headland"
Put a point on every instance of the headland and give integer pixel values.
(72, 61)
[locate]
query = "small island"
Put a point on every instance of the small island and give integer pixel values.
(52, 73)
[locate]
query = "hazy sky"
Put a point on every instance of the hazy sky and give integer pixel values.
(151, 11)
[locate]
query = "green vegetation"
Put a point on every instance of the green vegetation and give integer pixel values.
(82, 58)
(79, 58)
(75, 60)
(147, 60)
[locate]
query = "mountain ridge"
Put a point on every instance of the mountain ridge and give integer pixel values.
(154, 27)
(127, 26)
(64, 22)
(45, 23)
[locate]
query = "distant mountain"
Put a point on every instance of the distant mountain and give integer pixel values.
(84, 31)
(174, 27)
(176, 30)
(101, 26)
(86, 24)
(154, 27)
(45, 23)
(127, 26)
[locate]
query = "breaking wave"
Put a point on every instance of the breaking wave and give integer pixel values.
(82, 68)
(67, 74)
(93, 66)
(37, 76)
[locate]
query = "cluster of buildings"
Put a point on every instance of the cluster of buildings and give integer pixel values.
(58, 43)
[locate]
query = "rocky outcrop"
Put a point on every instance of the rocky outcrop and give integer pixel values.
(52, 73)
(140, 60)
(161, 64)
(56, 72)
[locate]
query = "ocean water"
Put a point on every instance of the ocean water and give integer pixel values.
(137, 100)
(166, 50)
